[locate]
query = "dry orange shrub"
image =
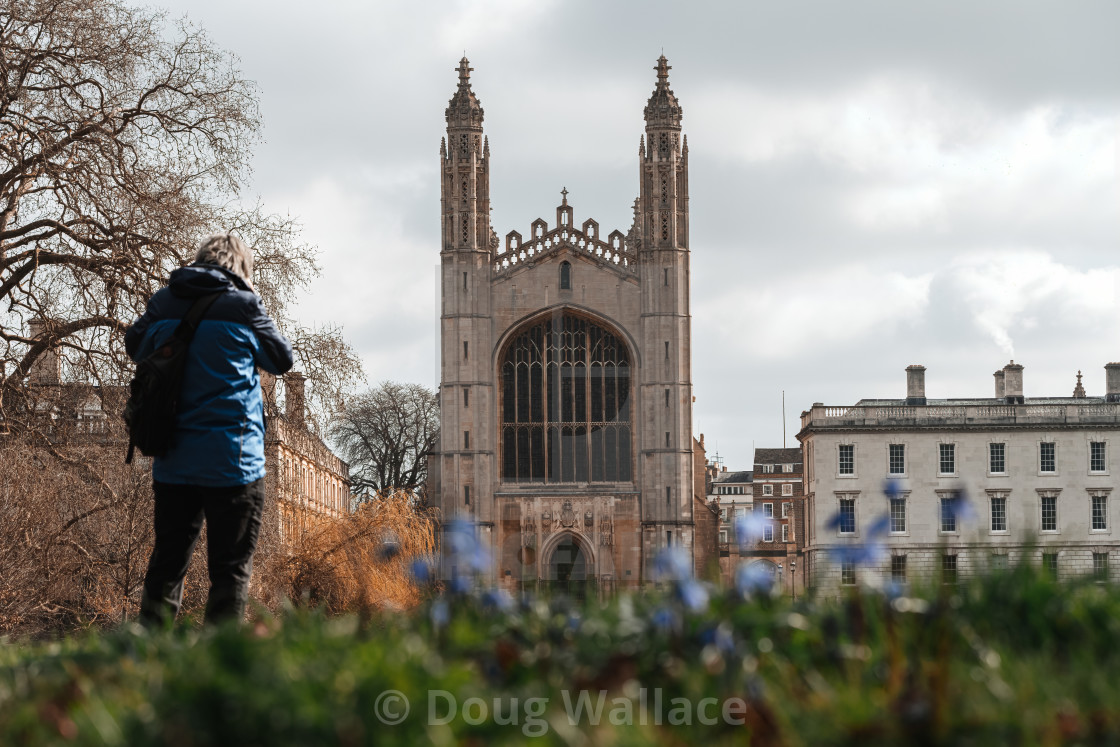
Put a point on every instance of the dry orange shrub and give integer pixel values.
(358, 562)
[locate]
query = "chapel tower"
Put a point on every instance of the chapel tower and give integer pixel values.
(662, 223)
(565, 389)
(466, 390)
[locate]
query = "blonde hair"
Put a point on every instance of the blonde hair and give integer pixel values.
(228, 251)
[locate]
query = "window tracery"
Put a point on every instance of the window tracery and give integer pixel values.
(565, 408)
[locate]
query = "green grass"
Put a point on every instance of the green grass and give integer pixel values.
(1011, 659)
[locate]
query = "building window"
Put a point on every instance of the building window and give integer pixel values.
(948, 569)
(847, 573)
(847, 523)
(997, 462)
(723, 536)
(466, 396)
(467, 440)
(666, 397)
(668, 495)
(898, 515)
(1046, 460)
(466, 350)
(947, 464)
(723, 514)
(785, 532)
(847, 459)
(896, 459)
(1100, 566)
(768, 510)
(949, 513)
(785, 510)
(464, 281)
(768, 468)
(1050, 564)
(787, 468)
(787, 489)
(1049, 513)
(998, 505)
(1097, 462)
(565, 276)
(565, 404)
(898, 569)
(467, 494)
(768, 533)
(768, 490)
(1100, 512)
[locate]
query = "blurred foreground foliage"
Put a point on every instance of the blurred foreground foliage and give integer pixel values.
(1013, 658)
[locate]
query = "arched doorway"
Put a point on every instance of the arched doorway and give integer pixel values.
(568, 568)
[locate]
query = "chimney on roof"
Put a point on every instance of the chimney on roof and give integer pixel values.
(294, 397)
(47, 368)
(1112, 382)
(999, 383)
(268, 392)
(915, 385)
(1013, 383)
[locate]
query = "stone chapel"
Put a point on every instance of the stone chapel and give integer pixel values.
(566, 384)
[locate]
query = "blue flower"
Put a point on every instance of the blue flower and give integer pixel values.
(720, 637)
(893, 590)
(462, 548)
(879, 527)
(421, 571)
(497, 599)
(672, 564)
(573, 621)
(753, 578)
(957, 508)
(440, 613)
(459, 537)
(749, 528)
(664, 619)
(693, 595)
(460, 584)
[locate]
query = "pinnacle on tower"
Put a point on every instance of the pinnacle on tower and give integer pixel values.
(464, 109)
(663, 110)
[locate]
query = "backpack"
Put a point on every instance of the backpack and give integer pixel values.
(154, 390)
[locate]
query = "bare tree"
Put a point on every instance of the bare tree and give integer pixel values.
(123, 141)
(386, 435)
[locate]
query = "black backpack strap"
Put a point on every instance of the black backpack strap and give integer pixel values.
(185, 333)
(189, 325)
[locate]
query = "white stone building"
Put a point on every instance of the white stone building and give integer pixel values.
(1037, 474)
(566, 386)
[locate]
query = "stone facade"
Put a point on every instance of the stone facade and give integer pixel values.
(1037, 474)
(305, 481)
(566, 392)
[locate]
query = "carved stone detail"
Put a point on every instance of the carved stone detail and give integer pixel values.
(567, 515)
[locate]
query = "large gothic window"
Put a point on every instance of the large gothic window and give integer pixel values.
(565, 413)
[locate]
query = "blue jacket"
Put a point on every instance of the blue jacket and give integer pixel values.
(219, 429)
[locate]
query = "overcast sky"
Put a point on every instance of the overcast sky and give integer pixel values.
(873, 184)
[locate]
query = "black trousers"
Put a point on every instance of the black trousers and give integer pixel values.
(233, 522)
